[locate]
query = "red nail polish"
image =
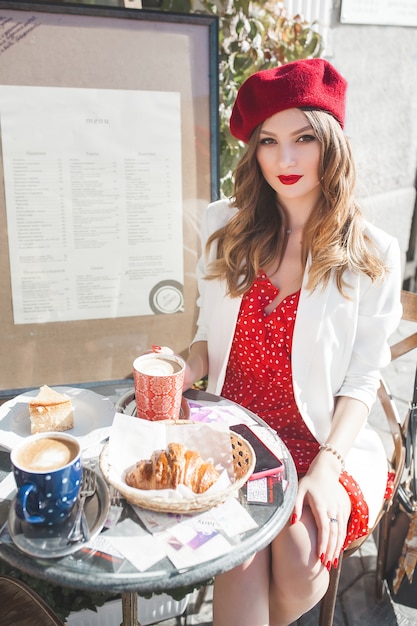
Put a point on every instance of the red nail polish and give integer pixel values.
(293, 518)
(336, 563)
(328, 566)
(322, 557)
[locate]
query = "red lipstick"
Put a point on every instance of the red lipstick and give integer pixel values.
(289, 180)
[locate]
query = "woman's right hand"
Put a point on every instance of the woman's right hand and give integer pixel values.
(189, 378)
(196, 365)
(320, 489)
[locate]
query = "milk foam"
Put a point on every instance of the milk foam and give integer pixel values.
(51, 458)
(157, 367)
(46, 454)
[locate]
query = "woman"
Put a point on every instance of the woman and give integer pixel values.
(298, 296)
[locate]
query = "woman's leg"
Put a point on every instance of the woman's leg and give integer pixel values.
(241, 596)
(298, 578)
(290, 569)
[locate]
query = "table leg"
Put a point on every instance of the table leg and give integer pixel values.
(130, 609)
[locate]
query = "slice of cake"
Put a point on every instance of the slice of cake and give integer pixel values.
(50, 411)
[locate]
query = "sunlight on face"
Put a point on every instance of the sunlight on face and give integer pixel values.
(288, 154)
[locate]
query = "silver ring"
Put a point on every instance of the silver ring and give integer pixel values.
(333, 520)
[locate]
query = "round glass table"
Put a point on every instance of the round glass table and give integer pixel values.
(84, 569)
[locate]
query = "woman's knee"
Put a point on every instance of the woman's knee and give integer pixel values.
(246, 586)
(296, 570)
(298, 582)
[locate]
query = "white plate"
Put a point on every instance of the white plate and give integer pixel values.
(93, 413)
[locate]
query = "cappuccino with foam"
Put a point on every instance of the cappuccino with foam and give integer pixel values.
(47, 470)
(46, 454)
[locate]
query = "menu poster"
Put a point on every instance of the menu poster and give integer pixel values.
(108, 160)
(93, 202)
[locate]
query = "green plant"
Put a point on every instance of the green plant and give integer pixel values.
(253, 36)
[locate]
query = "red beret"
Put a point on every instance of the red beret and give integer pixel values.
(310, 83)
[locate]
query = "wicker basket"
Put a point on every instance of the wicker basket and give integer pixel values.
(243, 461)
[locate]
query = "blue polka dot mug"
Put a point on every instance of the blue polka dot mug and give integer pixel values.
(48, 473)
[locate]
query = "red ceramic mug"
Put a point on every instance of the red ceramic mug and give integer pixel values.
(159, 379)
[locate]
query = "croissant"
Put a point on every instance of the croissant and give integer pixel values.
(167, 469)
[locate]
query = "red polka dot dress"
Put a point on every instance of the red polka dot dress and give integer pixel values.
(259, 378)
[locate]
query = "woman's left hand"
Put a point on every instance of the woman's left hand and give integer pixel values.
(329, 502)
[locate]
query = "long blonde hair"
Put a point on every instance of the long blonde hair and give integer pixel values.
(333, 235)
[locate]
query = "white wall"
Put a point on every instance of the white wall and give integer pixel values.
(380, 64)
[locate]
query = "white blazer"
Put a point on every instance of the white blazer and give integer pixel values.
(339, 346)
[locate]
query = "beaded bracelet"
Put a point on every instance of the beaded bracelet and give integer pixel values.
(329, 448)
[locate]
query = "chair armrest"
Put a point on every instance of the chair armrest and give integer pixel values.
(405, 345)
(394, 423)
